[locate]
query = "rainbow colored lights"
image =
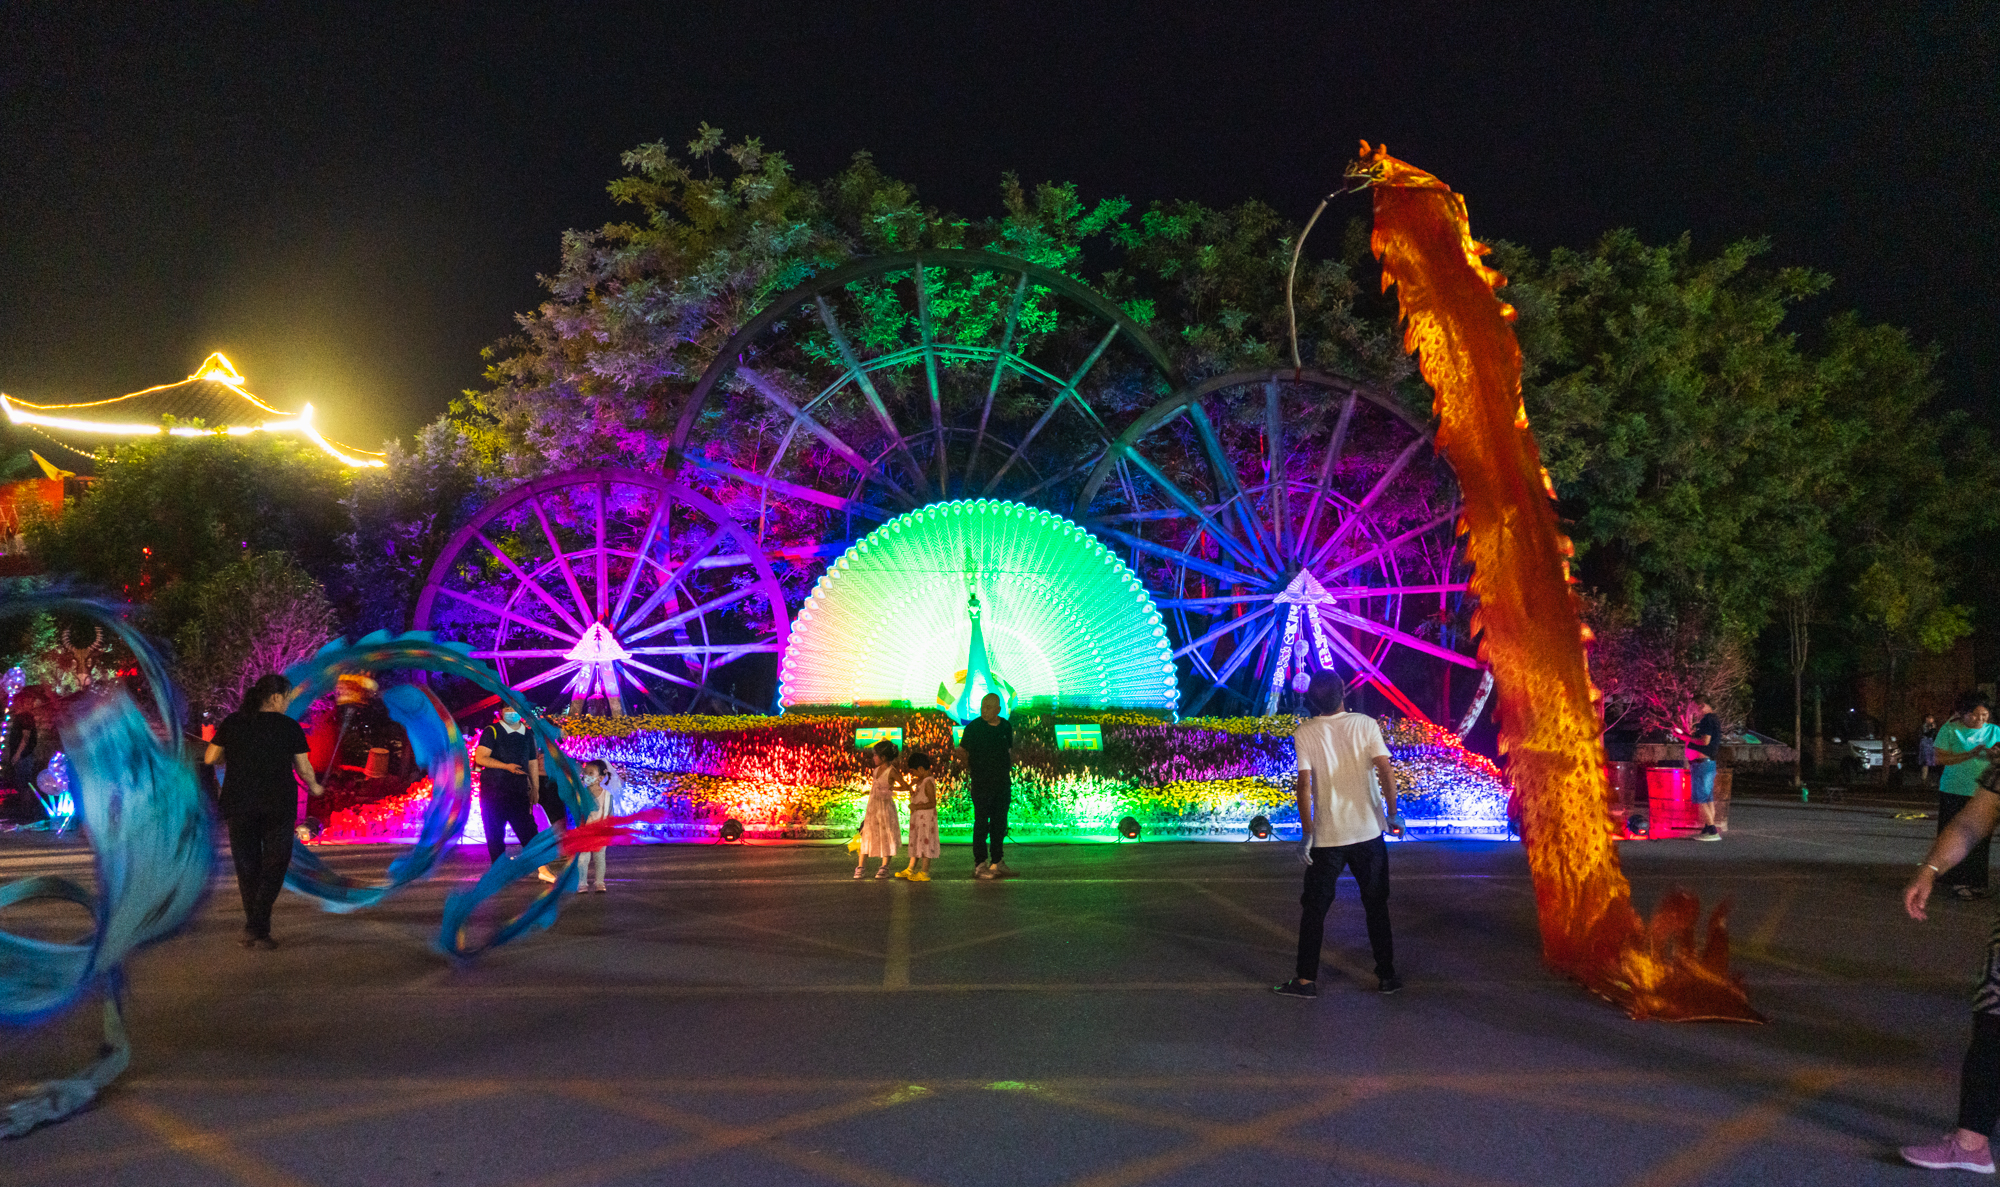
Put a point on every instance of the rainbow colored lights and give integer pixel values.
(1064, 623)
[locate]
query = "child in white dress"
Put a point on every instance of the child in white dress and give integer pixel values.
(923, 818)
(598, 791)
(882, 826)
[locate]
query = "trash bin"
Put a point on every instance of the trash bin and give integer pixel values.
(1670, 795)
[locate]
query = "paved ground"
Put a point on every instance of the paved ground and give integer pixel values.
(751, 1015)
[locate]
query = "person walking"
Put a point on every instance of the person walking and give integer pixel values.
(924, 845)
(511, 767)
(263, 755)
(881, 827)
(1704, 744)
(1968, 1147)
(1342, 759)
(597, 790)
(986, 747)
(1965, 750)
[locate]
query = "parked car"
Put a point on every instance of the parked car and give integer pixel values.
(1861, 747)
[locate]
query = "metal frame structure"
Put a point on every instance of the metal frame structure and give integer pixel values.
(1302, 562)
(615, 579)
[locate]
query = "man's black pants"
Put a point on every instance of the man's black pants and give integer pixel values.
(261, 846)
(989, 822)
(496, 812)
(1370, 862)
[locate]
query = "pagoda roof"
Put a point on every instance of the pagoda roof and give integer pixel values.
(212, 401)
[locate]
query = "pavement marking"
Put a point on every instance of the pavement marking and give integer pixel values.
(203, 1146)
(896, 960)
(1222, 1140)
(1729, 1138)
(712, 1137)
(1329, 955)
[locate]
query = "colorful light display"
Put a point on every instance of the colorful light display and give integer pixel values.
(1063, 621)
(215, 394)
(1528, 624)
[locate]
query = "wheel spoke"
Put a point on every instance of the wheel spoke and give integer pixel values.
(1385, 631)
(1067, 392)
(1167, 552)
(1226, 540)
(867, 386)
(1390, 546)
(704, 649)
(562, 560)
(794, 490)
(603, 558)
(631, 581)
(1340, 591)
(555, 673)
(528, 582)
(1326, 463)
(1231, 494)
(667, 584)
(648, 668)
(999, 372)
(1375, 492)
(833, 441)
(693, 612)
(1237, 623)
(1244, 650)
(1274, 436)
(1375, 675)
(509, 615)
(931, 378)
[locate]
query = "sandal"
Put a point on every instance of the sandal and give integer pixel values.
(857, 871)
(882, 873)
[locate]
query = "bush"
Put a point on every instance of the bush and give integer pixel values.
(260, 614)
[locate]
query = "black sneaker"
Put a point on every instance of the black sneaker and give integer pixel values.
(1708, 833)
(1296, 988)
(1389, 985)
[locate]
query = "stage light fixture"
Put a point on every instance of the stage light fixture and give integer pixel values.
(1260, 827)
(732, 830)
(1128, 828)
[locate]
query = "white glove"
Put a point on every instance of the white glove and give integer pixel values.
(1306, 848)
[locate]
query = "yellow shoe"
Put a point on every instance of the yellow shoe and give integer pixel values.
(920, 876)
(902, 873)
(854, 846)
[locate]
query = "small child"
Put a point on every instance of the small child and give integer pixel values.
(882, 827)
(923, 819)
(597, 786)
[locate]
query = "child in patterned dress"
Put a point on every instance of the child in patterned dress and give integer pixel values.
(882, 826)
(923, 819)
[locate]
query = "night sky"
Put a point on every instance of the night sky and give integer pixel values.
(352, 200)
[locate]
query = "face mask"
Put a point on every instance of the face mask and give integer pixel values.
(511, 717)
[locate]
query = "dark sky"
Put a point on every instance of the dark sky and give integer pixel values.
(352, 200)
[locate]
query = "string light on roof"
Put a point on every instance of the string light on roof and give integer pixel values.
(215, 369)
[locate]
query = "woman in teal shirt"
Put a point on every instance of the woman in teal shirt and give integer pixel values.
(1965, 749)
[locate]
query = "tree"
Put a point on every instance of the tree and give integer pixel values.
(168, 513)
(257, 615)
(400, 517)
(1900, 602)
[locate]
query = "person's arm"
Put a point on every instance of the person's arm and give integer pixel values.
(1303, 792)
(483, 757)
(535, 781)
(1973, 823)
(213, 756)
(302, 763)
(1951, 758)
(1386, 774)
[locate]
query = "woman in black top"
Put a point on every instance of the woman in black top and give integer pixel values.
(264, 753)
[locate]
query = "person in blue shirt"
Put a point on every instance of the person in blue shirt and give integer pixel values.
(1704, 745)
(1965, 748)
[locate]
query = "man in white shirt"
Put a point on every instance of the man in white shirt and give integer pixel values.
(1342, 756)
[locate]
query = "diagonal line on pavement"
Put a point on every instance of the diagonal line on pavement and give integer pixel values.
(294, 1123)
(1328, 955)
(713, 1137)
(1217, 1140)
(1727, 1139)
(203, 1146)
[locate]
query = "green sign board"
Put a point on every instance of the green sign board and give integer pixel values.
(1079, 737)
(864, 738)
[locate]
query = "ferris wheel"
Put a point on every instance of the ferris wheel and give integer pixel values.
(903, 380)
(1287, 522)
(609, 586)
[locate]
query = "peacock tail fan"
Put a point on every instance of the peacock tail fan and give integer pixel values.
(1528, 620)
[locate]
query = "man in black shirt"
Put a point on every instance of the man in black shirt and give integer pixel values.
(263, 753)
(985, 748)
(1704, 747)
(510, 768)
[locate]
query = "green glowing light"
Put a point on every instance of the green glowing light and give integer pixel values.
(1063, 621)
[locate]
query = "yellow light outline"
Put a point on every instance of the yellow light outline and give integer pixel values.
(216, 368)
